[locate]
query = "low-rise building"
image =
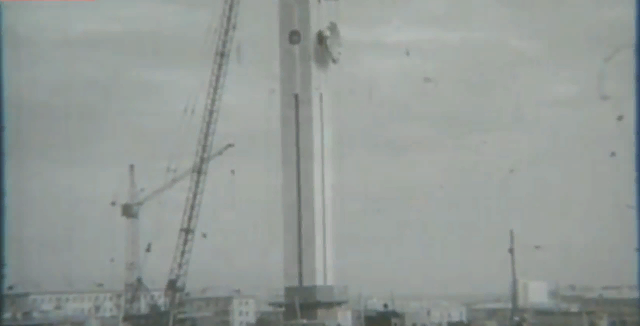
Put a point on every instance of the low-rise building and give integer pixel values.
(618, 304)
(229, 310)
(107, 306)
(101, 303)
(436, 314)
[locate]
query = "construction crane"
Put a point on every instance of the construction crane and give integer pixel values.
(176, 284)
(130, 210)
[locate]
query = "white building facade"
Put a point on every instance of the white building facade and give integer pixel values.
(228, 310)
(101, 304)
(235, 310)
(533, 293)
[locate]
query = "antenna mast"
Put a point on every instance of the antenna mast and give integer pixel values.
(514, 279)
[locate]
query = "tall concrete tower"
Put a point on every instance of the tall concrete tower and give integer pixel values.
(309, 54)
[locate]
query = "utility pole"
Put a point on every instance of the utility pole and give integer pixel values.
(514, 279)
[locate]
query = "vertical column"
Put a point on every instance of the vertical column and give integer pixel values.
(306, 143)
(308, 50)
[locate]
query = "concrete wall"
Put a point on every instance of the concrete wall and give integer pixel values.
(533, 292)
(306, 145)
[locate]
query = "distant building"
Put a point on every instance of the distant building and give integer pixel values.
(436, 313)
(617, 304)
(383, 317)
(411, 311)
(230, 310)
(101, 304)
(106, 306)
(533, 293)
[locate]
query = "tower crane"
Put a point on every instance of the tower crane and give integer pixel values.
(130, 210)
(176, 284)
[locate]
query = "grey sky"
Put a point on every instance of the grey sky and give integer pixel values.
(426, 193)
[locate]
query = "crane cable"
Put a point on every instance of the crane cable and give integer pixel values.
(189, 110)
(177, 150)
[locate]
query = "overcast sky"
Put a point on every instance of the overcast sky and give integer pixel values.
(507, 131)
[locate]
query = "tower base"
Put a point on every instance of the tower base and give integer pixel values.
(312, 304)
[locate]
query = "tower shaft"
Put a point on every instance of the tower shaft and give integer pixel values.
(309, 42)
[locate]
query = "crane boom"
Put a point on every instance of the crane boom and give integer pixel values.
(131, 211)
(179, 177)
(176, 284)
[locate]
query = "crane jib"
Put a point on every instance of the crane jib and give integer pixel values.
(182, 254)
(176, 283)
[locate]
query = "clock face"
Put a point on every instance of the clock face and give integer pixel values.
(295, 37)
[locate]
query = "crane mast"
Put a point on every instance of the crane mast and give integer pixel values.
(176, 284)
(132, 250)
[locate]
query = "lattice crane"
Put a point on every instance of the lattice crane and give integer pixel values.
(176, 284)
(175, 288)
(130, 210)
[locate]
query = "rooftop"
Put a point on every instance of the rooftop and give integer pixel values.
(550, 306)
(604, 292)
